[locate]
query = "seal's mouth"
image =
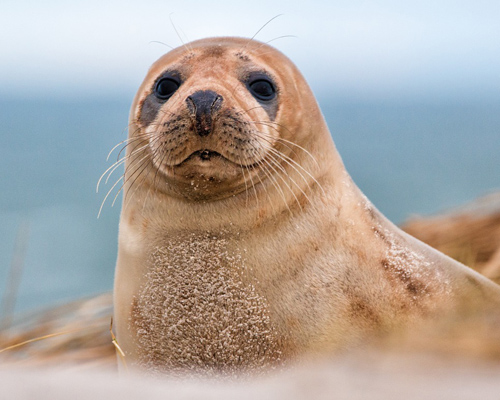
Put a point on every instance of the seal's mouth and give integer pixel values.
(211, 159)
(202, 157)
(205, 155)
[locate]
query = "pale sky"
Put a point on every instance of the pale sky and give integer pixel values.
(351, 48)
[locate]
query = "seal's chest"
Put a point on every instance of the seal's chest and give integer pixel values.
(196, 311)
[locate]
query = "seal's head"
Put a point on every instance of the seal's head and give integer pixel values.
(215, 116)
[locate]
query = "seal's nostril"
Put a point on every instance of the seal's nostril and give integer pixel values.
(201, 105)
(191, 105)
(217, 103)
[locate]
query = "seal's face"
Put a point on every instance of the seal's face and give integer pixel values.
(209, 115)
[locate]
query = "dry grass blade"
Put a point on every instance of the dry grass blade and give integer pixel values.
(34, 340)
(117, 346)
(113, 339)
(77, 334)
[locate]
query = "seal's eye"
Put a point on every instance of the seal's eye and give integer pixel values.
(262, 89)
(165, 88)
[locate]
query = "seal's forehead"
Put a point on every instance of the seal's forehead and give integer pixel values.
(213, 50)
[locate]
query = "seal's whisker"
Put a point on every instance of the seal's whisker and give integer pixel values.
(280, 139)
(268, 175)
(283, 170)
(280, 167)
(269, 41)
(273, 164)
(135, 163)
(280, 156)
(113, 149)
(281, 37)
(130, 195)
(184, 44)
(140, 139)
(131, 138)
(260, 29)
(142, 165)
(251, 180)
(299, 147)
(293, 163)
(275, 182)
(269, 51)
(113, 167)
(162, 43)
(289, 161)
(261, 183)
(118, 164)
(107, 195)
(272, 140)
(265, 189)
(154, 155)
(244, 179)
(253, 186)
(127, 142)
(167, 155)
(121, 178)
(272, 178)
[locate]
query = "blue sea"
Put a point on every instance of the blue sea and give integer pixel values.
(408, 158)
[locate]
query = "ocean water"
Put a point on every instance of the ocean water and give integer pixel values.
(408, 158)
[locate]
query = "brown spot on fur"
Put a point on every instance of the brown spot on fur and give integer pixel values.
(371, 213)
(187, 57)
(374, 221)
(360, 308)
(412, 285)
(214, 51)
(242, 57)
(380, 235)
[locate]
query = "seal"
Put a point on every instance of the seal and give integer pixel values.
(243, 241)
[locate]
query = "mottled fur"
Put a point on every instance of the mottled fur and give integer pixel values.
(272, 233)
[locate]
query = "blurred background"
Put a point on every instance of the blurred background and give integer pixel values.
(410, 90)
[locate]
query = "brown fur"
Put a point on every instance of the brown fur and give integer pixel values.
(287, 243)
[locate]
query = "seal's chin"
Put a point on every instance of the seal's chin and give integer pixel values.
(207, 175)
(204, 175)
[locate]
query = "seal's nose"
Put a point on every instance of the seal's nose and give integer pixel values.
(202, 104)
